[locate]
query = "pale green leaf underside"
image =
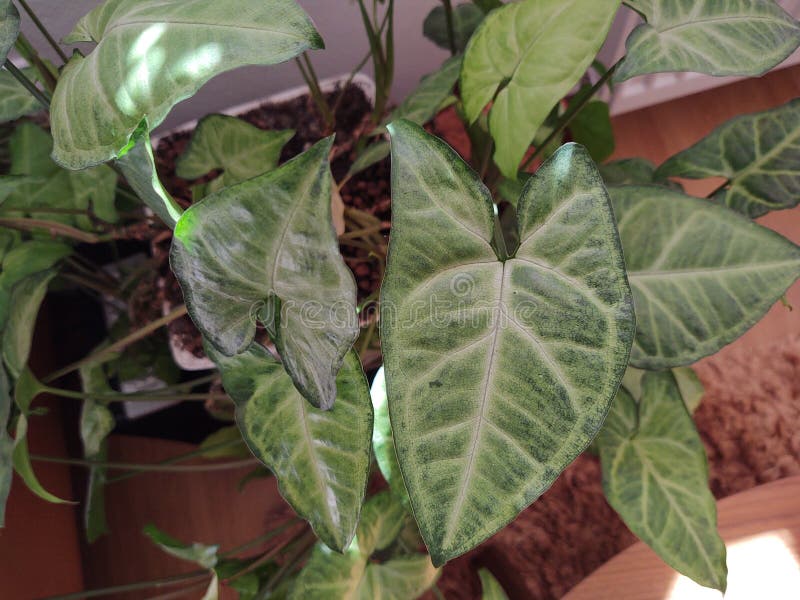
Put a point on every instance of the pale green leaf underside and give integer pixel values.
(285, 248)
(759, 154)
(9, 27)
(320, 458)
(351, 576)
(15, 100)
(150, 55)
(383, 440)
(490, 586)
(701, 274)
(717, 37)
(53, 187)
(239, 149)
(498, 374)
(655, 476)
(518, 58)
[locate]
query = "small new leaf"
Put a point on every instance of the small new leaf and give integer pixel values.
(201, 554)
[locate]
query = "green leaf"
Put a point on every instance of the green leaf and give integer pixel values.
(97, 421)
(15, 100)
(238, 148)
(757, 154)
(372, 154)
(492, 590)
(628, 171)
(717, 37)
(690, 387)
(383, 441)
(94, 511)
(26, 389)
(201, 554)
(321, 458)
(283, 269)
(591, 128)
(54, 187)
(6, 445)
(9, 27)
(701, 274)
(234, 448)
(25, 300)
(466, 18)
(138, 166)
(498, 372)
(421, 105)
(517, 59)
(351, 576)
(151, 55)
(655, 476)
(487, 5)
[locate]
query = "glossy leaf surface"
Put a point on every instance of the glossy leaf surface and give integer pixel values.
(701, 274)
(351, 576)
(718, 37)
(519, 61)
(758, 154)
(236, 147)
(498, 373)
(321, 458)
(655, 476)
(283, 268)
(152, 54)
(15, 100)
(9, 27)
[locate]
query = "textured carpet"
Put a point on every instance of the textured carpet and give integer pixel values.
(750, 424)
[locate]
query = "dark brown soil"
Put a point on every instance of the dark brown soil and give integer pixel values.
(368, 192)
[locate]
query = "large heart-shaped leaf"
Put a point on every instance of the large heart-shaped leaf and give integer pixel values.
(758, 154)
(94, 188)
(151, 54)
(701, 274)
(321, 458)
(498, 372)
(26, 297)
(282, 267)
(351, 576)
(466, 18)
(15, 100)
(9, 27)
(655, 476)
(519, 61)
(239, 149)
(383, 440)
(718, 37)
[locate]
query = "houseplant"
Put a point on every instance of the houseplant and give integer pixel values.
(512, 305)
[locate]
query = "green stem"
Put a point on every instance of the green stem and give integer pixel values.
(304, 544)
(119, 345)
(451, 36)
(263, 538)
(27, 84)
(140, 467)
(28, 52)
(310, 77)
(153, 396)
(133, 587)
(24, 224)
(40, 26)
(195, 587)
(568, 116)
(500, 240)
(437, 592)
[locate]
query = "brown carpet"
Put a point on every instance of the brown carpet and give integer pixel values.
(750, 423)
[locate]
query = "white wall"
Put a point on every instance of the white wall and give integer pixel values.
(338, 21)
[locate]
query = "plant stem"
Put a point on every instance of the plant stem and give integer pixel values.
(437, 592)
(263, 538)
(24, 224)
(119, 344)
(451, 36)
(133, 587)
(305, 543)
(40, 26)
(310, 77)
(28, 52)
(27, 84)
(568, 116)
(140, 467)
(153, 396)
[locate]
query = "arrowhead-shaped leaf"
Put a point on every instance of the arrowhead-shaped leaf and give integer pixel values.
(758, 154)
(321, 458)
(53, 187)
(519, 61)
(701, 274)
(466, 18)
(655, 476)
(9, 27)
(239, 149)
(498, 373)
(150, 55)
(351, 576)
(421, 105)
(15, 100)
(633, 171)
(282, 267)
(718, 37)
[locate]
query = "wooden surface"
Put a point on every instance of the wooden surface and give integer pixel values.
(761, 529)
